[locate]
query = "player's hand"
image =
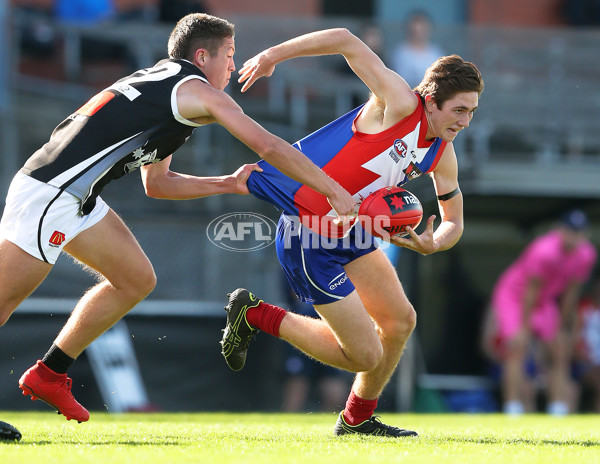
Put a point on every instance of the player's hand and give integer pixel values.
(423, 243)
(255, 68)
(241, 178)
(344, 205)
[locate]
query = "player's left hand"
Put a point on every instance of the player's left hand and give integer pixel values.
(255, 68)
(423, 243)
(241, 178)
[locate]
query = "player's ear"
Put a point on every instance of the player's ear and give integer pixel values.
(200, 57)
(430, 103)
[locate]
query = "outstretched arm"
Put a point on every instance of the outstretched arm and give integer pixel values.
(387, 85)
(202, 103)
(160, 182)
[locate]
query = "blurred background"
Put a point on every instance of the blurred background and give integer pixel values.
(531, 153)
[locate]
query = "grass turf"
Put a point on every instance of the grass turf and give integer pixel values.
(299, 438)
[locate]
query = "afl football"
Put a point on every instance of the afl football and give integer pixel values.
(389, 211)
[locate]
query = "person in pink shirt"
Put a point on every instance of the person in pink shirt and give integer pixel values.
(535, 299)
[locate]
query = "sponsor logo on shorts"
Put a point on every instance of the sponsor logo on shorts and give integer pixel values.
(337, 281)
(56, 239)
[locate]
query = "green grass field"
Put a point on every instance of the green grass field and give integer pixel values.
(299, 438)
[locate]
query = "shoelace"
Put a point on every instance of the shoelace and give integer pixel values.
(68, 383)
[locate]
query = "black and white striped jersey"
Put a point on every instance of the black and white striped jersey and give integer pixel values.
(133, 122)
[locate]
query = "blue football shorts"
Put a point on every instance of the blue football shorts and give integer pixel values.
(314, 264)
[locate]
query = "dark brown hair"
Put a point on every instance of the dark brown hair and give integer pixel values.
(198, 30)
(448, 76)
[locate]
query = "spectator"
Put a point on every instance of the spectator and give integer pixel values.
(587, 353)
(491, 344)
(535, 300)
(416, 52)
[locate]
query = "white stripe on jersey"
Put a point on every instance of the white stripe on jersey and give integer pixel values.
(60, 180)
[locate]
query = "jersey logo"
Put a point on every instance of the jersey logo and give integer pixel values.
(412, 171)
(399, 150)
(56, 239)
(95, 103)
(141, 159)
(400, 147)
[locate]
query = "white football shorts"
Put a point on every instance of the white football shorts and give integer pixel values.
(41, 220)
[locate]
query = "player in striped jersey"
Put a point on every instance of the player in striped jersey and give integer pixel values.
(399, 134)
(138, 122)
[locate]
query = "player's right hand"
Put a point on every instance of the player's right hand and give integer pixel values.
(255, 68)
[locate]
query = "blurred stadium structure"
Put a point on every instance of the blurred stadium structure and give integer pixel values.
(531, 152)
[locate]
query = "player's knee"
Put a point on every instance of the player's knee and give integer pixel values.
(147, 282)
(143, 284)
(5, 313)
(401, 326)
(368, 357)
(514, 349)
(409, 321)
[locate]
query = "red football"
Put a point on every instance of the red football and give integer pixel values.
(389, 210)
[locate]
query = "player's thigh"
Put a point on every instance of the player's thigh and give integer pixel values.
(380, 290)
(20, 275)
(110, 248)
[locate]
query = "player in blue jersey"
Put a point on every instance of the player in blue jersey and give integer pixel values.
(53, 203)
(399, 134)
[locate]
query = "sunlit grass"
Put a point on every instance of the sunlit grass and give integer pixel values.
(306, 438)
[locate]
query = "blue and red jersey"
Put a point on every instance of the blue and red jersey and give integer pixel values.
(361, 163)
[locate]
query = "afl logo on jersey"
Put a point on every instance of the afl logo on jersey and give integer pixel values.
(400, 147)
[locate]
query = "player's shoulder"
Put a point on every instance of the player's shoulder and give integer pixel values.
(383, 114)
(403, 103)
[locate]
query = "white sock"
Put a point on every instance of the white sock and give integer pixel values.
(514, 408)
(558, 408)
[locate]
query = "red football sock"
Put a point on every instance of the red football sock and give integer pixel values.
(266, 317)
(358, 409)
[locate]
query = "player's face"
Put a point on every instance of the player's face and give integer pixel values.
(454, 116)
(218, 68)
